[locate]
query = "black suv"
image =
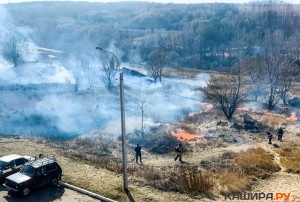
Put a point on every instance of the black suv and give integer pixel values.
(33, 174)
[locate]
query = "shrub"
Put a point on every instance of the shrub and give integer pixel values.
(188, 180)
(184, 179)
(233, 182)
(290, 159)
(256, 162)
(159, 143)
(189, 128)
(237, 171)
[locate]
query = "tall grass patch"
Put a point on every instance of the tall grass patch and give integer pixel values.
(233, 183)
(236, 172)
(256, 162)
(290, 159)
(183, 179)
(188, 180)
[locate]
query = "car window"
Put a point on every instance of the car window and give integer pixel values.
(19, 162)
(25, 160)
(27, 170)
(2, 165)
(50, 167)
(10, 164)
(38, 172)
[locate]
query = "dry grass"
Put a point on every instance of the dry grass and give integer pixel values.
(272, 119)
(94, 150)
(188, 180)
(290, 159)
(233, 182)
(237, 171)
(256, 162)
(159, 141)
(151, 174)
(234, 172)
(189, 128)
(111, 164)
(183, 179)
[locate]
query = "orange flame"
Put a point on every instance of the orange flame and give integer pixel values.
(246, 109)
(181, 135)
(207, 106)
(293, 117)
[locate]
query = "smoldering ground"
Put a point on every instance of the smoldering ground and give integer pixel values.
(64, 97)
(35, 99)
(54, 108)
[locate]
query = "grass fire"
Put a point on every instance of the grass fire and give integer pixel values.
(293, 117)
(184, 102)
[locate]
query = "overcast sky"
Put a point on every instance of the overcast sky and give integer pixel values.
(162, 1)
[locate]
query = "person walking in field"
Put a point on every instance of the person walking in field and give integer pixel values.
(270, 136)
(280, 134)
(138, 153)
(178, 150)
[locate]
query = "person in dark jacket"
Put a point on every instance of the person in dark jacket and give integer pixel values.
(270, 136)
(138, 153)
(280, 134)
(178, 150)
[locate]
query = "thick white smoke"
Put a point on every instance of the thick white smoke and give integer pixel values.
(68, 97)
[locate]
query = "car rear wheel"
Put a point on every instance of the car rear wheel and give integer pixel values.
(26, 191)
(54, 181)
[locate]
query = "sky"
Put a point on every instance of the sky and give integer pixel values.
(161, 1)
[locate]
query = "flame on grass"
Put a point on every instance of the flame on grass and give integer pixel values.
(182, 136)
(207, 108)
(245, 109)
(293, 117)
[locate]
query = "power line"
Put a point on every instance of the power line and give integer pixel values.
(162, 91)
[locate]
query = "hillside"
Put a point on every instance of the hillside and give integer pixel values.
(203, 36)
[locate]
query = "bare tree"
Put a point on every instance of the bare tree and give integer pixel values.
(85, 65)
(289, 71)
(109, 71)
(229, 90)
(273, 56)
(158, 57)
(276, 72)
(15, 49)
(257, 74)
(178, 44)
(272, 67)
(141, 99)
(73, 86)
(156, 64)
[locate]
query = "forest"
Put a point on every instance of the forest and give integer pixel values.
(199, 36)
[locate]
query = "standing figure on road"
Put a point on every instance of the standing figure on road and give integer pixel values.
(270, 136)
(138, 153)
(178, 150)
(280, 134)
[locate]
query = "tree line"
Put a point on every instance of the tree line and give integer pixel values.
(201, 36)
(256, 45)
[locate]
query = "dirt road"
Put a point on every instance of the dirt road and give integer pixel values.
(45, 194)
